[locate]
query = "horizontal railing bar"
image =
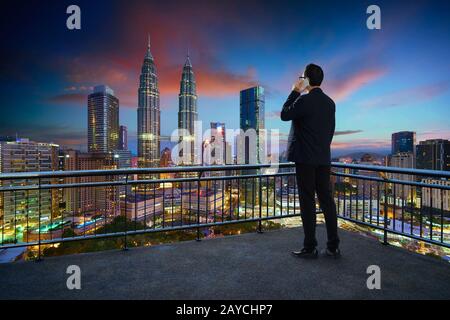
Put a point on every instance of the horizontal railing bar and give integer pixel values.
(220, 178)
(394, 181)
(141, 171)
(137, 182)
(250, 176)
(62, 186)
(410, 171)
(212, 178)
(149, 171)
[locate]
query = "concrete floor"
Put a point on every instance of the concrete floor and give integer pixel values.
(249, 266)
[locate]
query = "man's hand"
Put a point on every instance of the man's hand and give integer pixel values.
(298, 86)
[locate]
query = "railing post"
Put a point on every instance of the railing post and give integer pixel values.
(125, 245)
(39, 221)
(385, 225)
(260, 203)
(198, 206)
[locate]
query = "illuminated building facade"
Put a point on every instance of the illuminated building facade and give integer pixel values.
(437, 199)
(90, 200)
(209, 200)
(187, 112)
(20, 209)
(122, 158)
(252, 105)
(149, 117)
(433, 154)
(137, 207)
(403, 160)
(103, 120)
(166, 161)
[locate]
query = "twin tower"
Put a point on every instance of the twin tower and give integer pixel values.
(149, 113)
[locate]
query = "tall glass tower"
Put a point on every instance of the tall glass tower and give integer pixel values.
(187, 112)
(149, 118)
(252, 102)
(103, 120)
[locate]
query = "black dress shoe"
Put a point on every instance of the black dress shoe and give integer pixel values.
(306, 253)
(332, 253)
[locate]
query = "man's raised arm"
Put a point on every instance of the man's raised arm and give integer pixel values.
(292, 108)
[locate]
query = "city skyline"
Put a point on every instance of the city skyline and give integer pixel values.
(382, 75)
(150, 148)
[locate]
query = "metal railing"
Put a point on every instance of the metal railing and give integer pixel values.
(42, 208)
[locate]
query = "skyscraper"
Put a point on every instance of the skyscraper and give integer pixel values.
(433, 154)
(187, 112)
(403, 160)
(252, 101)
(403, 141)
(149, 118)
(103, 120)
(123, 138)
(90, 200)
(20, 209)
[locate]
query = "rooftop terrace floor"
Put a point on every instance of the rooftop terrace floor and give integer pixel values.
(249, 266)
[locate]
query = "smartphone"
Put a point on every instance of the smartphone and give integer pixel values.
(305, 83)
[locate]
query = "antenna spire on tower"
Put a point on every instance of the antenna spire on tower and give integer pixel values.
(188, 59)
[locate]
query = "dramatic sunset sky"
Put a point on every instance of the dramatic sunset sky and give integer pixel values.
(393, 79)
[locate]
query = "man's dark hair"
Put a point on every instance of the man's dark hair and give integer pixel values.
(315, 74)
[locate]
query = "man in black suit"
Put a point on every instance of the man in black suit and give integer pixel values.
(312, 129)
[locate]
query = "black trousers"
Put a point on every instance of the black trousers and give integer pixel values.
(312, 179)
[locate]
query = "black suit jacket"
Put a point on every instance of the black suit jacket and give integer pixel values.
(312, 128)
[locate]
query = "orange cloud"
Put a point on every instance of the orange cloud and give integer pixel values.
(343, 88)
(122, 76)
(119, 66)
